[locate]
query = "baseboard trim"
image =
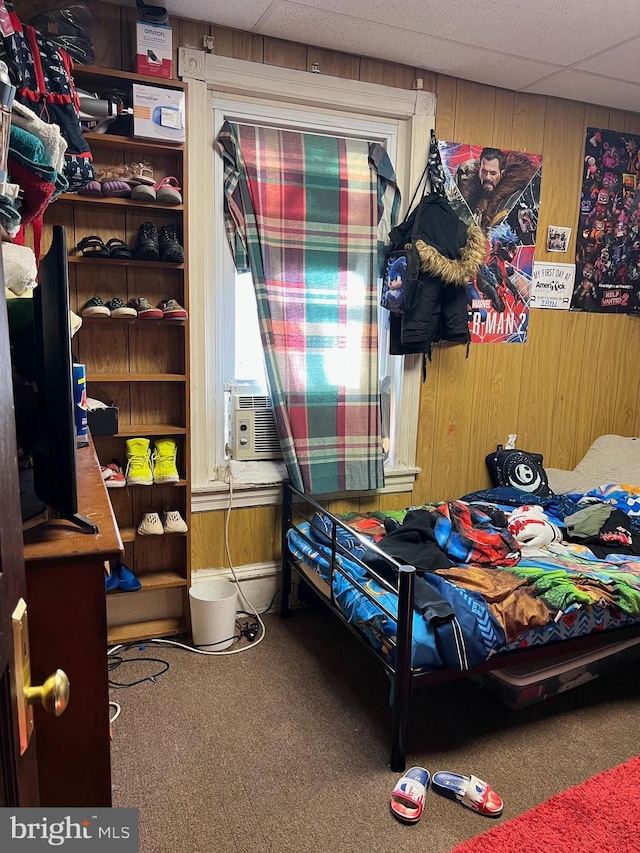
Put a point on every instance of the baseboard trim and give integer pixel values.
(258, 582)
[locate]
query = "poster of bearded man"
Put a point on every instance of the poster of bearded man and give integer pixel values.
(500, 191)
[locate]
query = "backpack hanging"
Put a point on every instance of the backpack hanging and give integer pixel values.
(41, 73)
(402, 264)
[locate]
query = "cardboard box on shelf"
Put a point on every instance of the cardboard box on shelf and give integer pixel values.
(158, 113)
(153, 49)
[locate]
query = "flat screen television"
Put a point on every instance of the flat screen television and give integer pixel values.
(43, 389)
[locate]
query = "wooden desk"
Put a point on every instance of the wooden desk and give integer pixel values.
(68, 630)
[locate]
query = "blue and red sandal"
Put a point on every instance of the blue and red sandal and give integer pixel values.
(407, 798)
(469, 791)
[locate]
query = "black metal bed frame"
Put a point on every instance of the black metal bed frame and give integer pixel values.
(298, 507)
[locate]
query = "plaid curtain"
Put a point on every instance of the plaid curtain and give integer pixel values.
(302, 213)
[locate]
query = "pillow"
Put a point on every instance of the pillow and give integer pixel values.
(518, 469)
(610, 459)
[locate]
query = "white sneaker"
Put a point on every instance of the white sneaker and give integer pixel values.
(173, 522)
(150, 525)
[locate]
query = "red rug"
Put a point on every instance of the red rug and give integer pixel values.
(602, 815)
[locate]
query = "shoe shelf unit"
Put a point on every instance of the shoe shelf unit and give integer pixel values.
(139, 365)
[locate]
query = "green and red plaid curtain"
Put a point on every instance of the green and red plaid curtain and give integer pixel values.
(302, 213)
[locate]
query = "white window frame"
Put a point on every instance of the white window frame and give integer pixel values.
(214, 82)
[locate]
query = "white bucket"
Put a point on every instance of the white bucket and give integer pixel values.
(213, 613)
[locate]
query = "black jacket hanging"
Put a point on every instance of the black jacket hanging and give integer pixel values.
(450, 255)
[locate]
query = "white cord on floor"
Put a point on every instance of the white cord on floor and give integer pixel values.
(117, 713)
(114, 649)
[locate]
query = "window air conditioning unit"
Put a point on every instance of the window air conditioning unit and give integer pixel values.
(254, 428)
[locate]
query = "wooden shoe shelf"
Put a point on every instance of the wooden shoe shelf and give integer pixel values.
(141, 366)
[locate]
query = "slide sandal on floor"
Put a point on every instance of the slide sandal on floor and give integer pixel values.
(407, 798)
(469, 791)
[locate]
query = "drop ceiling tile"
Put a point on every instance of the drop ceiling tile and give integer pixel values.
(240, 15)
(338, 32)
(590, 88)
(546, 30)
(620, 63)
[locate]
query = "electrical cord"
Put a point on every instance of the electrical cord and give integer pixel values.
(118, 661)
(255, 632)
(117, 713)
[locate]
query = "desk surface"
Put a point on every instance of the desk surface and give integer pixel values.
(59, 539)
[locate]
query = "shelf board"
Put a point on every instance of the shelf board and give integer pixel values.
(130, 534)
(128, 430)
(131, 76)
(124, 262)
(156, 580)
(146, 630)
(134, 143)
(136, 377)
(75, 198)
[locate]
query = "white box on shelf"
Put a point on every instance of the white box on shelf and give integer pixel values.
(153, 49)
(158, 113)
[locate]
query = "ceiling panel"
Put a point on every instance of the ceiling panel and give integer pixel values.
(581, 86)
(315, 26)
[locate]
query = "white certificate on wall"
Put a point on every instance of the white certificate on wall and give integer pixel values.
(552, 285)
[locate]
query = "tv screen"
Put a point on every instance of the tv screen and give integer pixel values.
(43, 383)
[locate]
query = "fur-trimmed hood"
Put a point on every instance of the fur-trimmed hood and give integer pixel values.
(462, 270)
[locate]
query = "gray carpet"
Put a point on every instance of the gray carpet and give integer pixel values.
(285, 748)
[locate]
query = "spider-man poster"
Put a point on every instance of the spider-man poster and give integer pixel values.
(500, 191)
(608, 244)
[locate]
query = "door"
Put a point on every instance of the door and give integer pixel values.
(18, 772)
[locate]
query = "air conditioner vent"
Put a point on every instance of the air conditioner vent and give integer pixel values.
(254, 428)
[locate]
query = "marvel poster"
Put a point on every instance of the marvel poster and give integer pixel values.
(500, 191)
(608, 243)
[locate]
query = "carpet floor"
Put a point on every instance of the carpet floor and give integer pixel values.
(601, 815)
(286, 747)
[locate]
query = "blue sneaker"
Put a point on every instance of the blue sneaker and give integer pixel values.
(127, 581)
(111, 581)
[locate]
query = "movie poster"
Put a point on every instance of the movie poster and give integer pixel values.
(608, 244)
(500, 191)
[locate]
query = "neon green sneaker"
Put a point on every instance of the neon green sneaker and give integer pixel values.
(164, 461)
(138, 462)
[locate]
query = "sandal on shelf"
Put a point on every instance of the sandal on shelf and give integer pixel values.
(407, 798)
(143, 192)
(116, 188)
(469, 791)
(119, 249)
(93, 247)
(93, 188)
(168, 191)
(140, 173)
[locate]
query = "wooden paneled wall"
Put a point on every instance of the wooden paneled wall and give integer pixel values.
(577, 377)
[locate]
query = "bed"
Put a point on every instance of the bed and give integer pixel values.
(477, 610)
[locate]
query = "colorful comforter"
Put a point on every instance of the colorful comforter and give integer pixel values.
(560, 592)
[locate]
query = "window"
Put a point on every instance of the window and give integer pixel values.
(225, 343)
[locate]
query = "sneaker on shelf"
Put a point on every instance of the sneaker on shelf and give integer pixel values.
(150, 524)
(116, 479)
(106, 472)
(127, 581)
(111, 580)
(173, 522)
(138, 462)
(147, 247)
(95, 307)
(144, 309)
(164, 461)
(118, 309)
(171, 251)
(172, 310)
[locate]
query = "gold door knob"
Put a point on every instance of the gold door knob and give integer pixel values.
(53, 695)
